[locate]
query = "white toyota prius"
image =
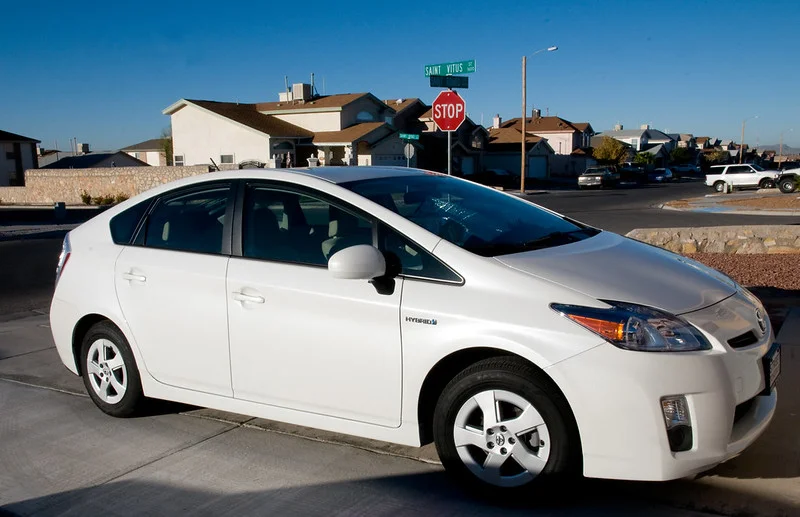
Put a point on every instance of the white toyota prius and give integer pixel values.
(408, 306)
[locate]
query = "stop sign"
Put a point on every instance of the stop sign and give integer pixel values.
(449, 110)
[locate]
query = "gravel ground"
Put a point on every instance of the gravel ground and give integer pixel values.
(782, 201)
(773, 278)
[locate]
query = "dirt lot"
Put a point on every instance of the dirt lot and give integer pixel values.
(775, 279)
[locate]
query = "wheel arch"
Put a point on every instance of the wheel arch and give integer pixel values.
(79, 332)
(448, 367)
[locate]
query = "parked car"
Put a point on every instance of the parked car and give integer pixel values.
(599, 177)
(684, 169)
(632, 173)
(785, 166)
(788, 180)
(660, 175)
(740, 176)
(407, 306)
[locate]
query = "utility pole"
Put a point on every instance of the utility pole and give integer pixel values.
(741, 145)
(524, 143)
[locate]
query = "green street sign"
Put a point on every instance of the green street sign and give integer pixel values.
(407, 136)
(456, 67)
(449, 81)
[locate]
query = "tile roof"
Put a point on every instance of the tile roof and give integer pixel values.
(624, 133)
(350, 134)
(581, 126)
(510, 135)
(655, 134)
(328, 101)
(701, 139)
(542, 124)
(248, 115)
(87, 161)
(5, 136)
(399, 105)
(428, 114)
(154, 144)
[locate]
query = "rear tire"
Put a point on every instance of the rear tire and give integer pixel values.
(719, 186)
(787, 186)
(500, 426)
(109, 371)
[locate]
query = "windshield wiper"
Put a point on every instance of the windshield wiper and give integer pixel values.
(554, 237)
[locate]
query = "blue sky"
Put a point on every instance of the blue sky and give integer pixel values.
(103, 71)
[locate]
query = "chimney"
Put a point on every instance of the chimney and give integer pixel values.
(645, 126)
(496, 121)
(536, 113)
(617, 127)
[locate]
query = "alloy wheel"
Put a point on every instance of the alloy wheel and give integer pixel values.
(106, 369)
(501, 438)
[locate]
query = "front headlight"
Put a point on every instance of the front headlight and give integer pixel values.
(636, 327)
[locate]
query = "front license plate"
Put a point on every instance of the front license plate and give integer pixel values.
(772, 367)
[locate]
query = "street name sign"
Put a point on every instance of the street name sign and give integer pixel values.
(408, 136)
(449, 81)
(455, 67)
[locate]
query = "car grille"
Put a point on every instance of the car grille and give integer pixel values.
(743, 340)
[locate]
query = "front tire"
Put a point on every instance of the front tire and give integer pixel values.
(109, 371)
(787, 186)
(766, 183)
(500, 425)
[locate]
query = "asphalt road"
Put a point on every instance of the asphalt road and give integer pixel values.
(624, 209)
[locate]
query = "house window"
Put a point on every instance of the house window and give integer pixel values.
(178, 160)
(635, 143)
(10, 155)
(136, 155)
(389, 119)
(226, 158)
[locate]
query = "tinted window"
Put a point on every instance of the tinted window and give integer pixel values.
(739, 169)
(478, 219)
(189, 222)
(407, 258)
(124, 224)
(291, 227)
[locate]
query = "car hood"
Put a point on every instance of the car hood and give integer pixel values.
(611, 267)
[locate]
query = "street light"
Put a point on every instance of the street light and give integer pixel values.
(524, 114)
(741, 147)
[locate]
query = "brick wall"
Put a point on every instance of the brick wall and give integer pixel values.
(47, 186)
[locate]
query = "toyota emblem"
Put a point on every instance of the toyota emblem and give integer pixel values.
(762, 322)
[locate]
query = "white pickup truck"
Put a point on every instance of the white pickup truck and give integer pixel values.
(746, 175)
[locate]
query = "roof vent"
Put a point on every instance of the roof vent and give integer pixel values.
(400, 100)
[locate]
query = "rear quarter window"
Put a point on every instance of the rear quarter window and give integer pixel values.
(124, 224)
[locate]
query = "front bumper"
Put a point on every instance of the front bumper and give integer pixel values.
(615, 395)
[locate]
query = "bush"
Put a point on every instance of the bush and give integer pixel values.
(120, 197)
(86, 198)
(104, 200)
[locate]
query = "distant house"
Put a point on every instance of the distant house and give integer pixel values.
(97, 160)
(152, 152)
(467, 151)
(300, 129)
(17, 154)
(503, 152)
(702, 142)
(562, 135)
(642, 138)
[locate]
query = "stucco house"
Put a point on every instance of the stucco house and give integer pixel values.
(642, 138)
(504, 148)
(300, 129)
(17, 154)
(152, 152)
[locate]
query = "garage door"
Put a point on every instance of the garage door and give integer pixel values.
(537, 167)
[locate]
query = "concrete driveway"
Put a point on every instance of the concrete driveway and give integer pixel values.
(62, 456)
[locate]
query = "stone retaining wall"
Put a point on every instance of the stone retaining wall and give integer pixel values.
(47, 186)
(723, 239)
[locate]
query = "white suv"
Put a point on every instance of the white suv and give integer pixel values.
(745, 175)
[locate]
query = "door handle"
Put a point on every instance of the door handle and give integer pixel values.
(241, 297)
(134, 278)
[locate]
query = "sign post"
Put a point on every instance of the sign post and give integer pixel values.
(449, 112)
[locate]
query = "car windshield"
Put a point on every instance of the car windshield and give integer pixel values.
(479, 219)
(757, 167)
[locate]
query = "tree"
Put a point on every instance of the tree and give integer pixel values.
(680, 155)
(644, 159)
(166, 143)
(611, 151)
(718, 156)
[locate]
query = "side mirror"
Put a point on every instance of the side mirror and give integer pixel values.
(361, 262)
